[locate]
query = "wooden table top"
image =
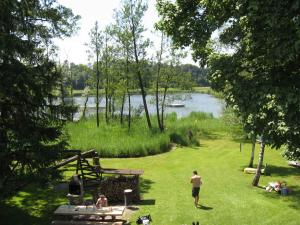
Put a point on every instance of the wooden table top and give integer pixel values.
(89, 210)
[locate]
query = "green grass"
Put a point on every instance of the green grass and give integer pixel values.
(227, 196)
(207, 90)
(204, 90)
(115, 141)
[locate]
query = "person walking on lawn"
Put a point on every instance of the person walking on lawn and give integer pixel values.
(196, 183)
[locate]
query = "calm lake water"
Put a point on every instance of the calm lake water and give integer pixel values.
(193, 102)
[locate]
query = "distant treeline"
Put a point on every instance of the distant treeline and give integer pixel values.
(81, 72)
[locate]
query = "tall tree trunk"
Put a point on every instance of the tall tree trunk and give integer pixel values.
(84, 107)
(157, 85)
(112, 107)
(129, 110)
(109, 104)
(106, 103)
(107, 81)
(252, 153)
(62, 93)
(72, 97)
(97, 94)
(260, 163)
(157, 107)
(139, 75)
(163, 107)
(122, 109)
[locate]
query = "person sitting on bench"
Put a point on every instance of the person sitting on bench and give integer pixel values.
(101, 202)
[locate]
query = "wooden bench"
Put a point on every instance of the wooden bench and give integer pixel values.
(74, 222)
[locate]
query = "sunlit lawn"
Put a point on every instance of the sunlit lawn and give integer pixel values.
(226, 195)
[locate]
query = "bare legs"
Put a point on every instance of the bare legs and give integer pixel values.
(196, 199)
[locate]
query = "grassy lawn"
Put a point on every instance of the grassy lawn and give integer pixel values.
(226, 195)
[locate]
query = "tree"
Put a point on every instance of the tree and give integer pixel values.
(159, 62)
(168, 74)
(30, 131)
(199, 75)
(95, 51)
(259, 78)
(133, 12)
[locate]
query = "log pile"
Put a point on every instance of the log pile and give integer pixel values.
(113, 188)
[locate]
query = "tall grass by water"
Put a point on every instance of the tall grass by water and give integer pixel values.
(114, 140)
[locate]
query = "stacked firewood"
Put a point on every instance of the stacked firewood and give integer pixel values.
(113, 188)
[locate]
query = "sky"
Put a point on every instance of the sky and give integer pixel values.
(73, 48)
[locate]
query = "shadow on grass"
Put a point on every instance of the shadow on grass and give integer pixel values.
(293, 199)
(33, 206)
(203, 207)
(209, 135)
(283, 171)
(145, 185)
(11, 215)
(147, 202)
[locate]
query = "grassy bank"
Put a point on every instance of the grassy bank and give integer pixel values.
(203, 90)
(114, 140)
(226, 196)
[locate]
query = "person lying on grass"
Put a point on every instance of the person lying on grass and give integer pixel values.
(276, 186)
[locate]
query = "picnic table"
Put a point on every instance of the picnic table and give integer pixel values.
(90, 210)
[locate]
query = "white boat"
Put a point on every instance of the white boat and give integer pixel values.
(175, 105)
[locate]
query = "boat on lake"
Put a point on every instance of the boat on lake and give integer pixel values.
(176, 104)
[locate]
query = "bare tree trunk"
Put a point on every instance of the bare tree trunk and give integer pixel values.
(112, 107)
(84, 108)
(97, 96)
(163, 108)
(62, 93)
(122, 109)
(139, 75)
(260, 163)
(107, 81)
(106, 104)
(129, 110)
(97, 86)
(157, 84)
(72, 97)
(109, 104)
(157, 106)
(252, 153)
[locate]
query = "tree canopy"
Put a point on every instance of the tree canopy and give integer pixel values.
(30, 124)
(260, 76)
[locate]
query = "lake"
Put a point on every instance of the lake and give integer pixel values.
(193, 102)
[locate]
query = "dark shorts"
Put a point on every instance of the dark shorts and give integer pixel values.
(195, 191)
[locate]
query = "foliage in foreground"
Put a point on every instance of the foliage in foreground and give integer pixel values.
(30, 129)
(260, 78)
(114, 140)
